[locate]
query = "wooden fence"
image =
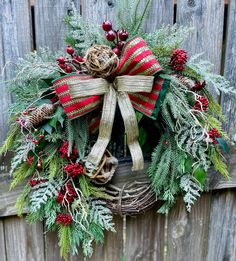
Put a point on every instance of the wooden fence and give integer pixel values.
(209, 231)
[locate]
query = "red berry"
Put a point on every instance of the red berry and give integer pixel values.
(35, 142)
(116, 51)
(106, 26)
(68, 69)
(111, 35)
(62, 65)
(17, 118)
(25, 113)
(41, 136)
(79, 59)
(61, 59)
(70, 50)
(123, 35)
(120, 45)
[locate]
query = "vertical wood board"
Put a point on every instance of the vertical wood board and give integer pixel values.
(222, 227)
(187, 237)
(15, 41)
(145, 236)
(206, 17)
(50, 27)
(23, 241)
(2, 242)
(228, 102)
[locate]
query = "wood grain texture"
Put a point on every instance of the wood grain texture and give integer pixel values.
(228, 102)
(96, 11)
(23, 241)
(222, 227)
(15, 41)
(50, 28)
(2, 242)
(145, 237)
(188, 232)
(161, 13)
(207, 19)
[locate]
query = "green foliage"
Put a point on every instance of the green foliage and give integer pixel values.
(202, 70)
(64, 235)
(22, 200)
(42, 193)
(101, 215)
(21, 174)
(21, 154)
(12, 136)
(192, 190)
(82, 34)
(163, 41)
(32, 76)
(134, 16)
(217, 160)
(165, 171)
(56, 167)
(78, 135)
(90, 190)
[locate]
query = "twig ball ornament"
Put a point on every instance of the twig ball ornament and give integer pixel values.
(101, 61)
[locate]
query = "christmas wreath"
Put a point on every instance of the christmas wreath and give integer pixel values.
(74, 115)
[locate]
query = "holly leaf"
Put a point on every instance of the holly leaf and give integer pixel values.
(59, 116)
(200, 175)
(223, 144)
(188, 164)
(48, 128)
(142, 136)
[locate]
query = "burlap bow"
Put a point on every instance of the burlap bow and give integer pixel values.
(134, 89)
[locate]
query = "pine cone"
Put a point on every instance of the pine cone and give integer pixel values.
(40, 114)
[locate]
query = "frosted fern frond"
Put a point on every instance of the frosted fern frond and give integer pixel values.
(204, 71)
(192, 190)
(101, 215)
(21, 155)
(43, 192)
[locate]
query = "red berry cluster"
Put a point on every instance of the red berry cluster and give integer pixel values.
(73, 170)
(198, 86)
(213, 134)
(117, 37)
(30, 160)
(34, 182)
(67, 195)
(201, 104)
(179, 59)
(64, 219)
(64, 151)
(70, 65)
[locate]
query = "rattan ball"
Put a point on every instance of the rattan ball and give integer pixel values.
(101, 61)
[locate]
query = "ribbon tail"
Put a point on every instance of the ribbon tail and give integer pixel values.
(105, 129)
(131, 129)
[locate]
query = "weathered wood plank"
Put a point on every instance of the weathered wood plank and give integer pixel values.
(15, 41)
(222, 228)
(187, 234)
(50, 28)
(96, 11)
(207, 19)
(228, 102)
(8, 198)
(23, 241)
(2, 242)
(145, 237)
(161, 12)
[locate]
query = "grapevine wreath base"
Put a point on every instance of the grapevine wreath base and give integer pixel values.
(126, 95)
